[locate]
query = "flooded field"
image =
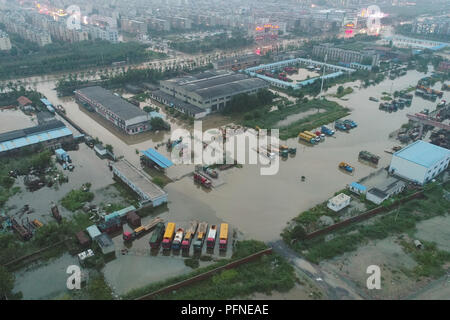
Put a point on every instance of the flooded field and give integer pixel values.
(88, 168)
(303, 74)
(14, 120)
(44, 280)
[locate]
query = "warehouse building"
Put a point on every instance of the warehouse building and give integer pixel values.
(381, 192)
(124, 115)
(148, 192)
(51, 135)
(210, 91)
(237, 63)
(419, 162)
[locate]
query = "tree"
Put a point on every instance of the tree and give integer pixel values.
(298, 232)
(109, 148)
(6, 282)
(340, 90)
(159, 124)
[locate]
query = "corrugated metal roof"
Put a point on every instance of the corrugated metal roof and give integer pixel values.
(93, 231)
(358, 186)
(46, 102)
(423, 153)
(33, 139)
(158, 158)
(119, 213)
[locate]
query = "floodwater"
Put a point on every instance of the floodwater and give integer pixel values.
(295, 117)
(260, 206)
(303, 74)
(44, 280)
(88, 168)
(14, 120)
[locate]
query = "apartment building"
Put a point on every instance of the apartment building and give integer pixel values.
(347, 56)
(5, 43)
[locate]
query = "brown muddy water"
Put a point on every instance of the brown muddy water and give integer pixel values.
(260, 206)
(256, 205)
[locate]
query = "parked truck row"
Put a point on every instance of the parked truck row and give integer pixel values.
(180, 239)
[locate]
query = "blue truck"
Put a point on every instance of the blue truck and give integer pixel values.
(339, 125)
(327, 131)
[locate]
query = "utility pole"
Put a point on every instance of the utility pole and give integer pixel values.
(323, 74)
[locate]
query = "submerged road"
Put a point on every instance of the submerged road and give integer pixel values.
(334, 286)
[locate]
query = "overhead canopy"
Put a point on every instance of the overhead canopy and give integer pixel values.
(157, 158)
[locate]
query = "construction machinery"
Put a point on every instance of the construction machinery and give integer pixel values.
(201, 234)
(130, 236)
(186, 243)
(168, 236)
(157, 236)
(24, 233)
(223, 236)
(366, 155)
(345, 166)
(211, 239)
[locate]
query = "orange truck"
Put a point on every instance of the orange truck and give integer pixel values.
(168, 236)
(223, 236)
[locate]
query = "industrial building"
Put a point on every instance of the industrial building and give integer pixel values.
(342, 55)
(210, 91)
(237, 63)
(419, 162)
(391, 186)
(51, 135)
(124, 115)
(148, 192)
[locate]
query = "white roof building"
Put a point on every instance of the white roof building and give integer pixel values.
(339, 202)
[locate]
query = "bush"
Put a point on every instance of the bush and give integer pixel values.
(75, 199)
(193, 263)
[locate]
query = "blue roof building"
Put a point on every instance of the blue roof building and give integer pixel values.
(419, 162)
(49, 134)
(157, 158)
(357, 188)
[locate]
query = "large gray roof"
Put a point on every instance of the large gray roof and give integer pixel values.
(232, 87)
(117, 105)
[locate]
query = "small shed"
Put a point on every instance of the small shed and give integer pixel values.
(357, 188)
(105, 243)
(152, 157)
(93, 231)
(376, 195)
(120, 213)
(24, 101)
(83, 239)
(100, 150)
(133, 219)
(339, 202)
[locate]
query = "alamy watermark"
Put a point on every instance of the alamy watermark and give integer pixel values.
(247, 146)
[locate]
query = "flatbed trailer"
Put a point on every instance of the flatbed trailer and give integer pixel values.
(190, 233)
(130, 236)
(201, 235)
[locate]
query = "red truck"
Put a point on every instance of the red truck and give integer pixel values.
(202, 180)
